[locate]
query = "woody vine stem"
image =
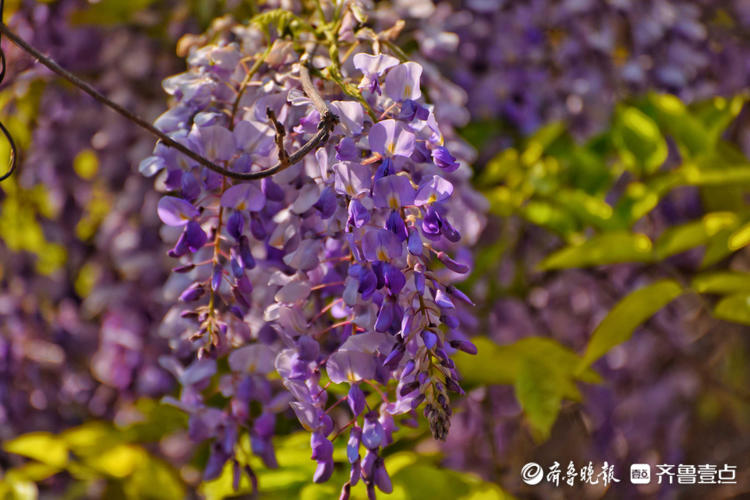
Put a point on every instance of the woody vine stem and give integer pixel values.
(325, 126)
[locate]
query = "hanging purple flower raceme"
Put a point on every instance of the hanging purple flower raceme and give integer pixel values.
(338, 269)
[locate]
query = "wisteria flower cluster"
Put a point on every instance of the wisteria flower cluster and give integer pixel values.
(339, 270)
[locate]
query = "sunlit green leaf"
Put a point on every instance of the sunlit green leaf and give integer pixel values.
(674, 117)
(589, 209)
(537, 144)
(735, 308)
(550, 216)
(41, 446)
(513, 364)
(281, 19)
(108, 12)
(627, 315)
(722, 282)
(31, 471)
(606, 248)
(154, 479)
(501, 364)
(740, 238)
(640, 140)
(537, 390)
(678, 239)
(91, 438)
(159, 420)
(716, 114)
(726, 176)
(717, 248)
(498, 167)
(118, 461)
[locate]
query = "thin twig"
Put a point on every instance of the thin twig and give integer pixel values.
(280, 134)
(325, 126)
(310, 91)
(13, 156)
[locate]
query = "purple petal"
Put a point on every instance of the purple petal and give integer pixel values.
(352, 446)
(381, 244)
(198, 371)
(175, 211)
(351, 116)
(389, 138)
(323, 472)
(356, 399)
(327, 203)
(217, 142)
(245, 196)
(195, 236)
(322, 448)
(393, 191)
(352, 179)
(350, 366)
(374, 64)
(382, 479)
(414, 243)
(372, 434)
(358, 214)
(396, 225)
(235, 225)
(443, 159)
(433, 190)
(402, 82)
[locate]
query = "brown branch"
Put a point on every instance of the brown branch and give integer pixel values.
(280, 134)
(13, 162)
(325, 126)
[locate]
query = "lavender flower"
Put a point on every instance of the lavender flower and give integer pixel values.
(338, 246)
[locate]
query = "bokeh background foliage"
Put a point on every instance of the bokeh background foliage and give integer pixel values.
(628, 237)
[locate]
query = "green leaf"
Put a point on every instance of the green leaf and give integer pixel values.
(13, 488)
(110, 12)
(31, 471)
(537, 390)
(119, 461)
(678, 239)
(725, 282)
(674, 117)
(91, 438)
(498, 168)
(421, 478)
(740, 238)
(41, 446)
(537, 144)
(606, 248)
(717, 114)
(155, 479)
(641, 143)
(717, 248)
(282, 19)
(627, 315)
(735, 308)
(550, 216)
(501, 364)
(159, 420)
(524, 364)
(589, 209)
(728, 175)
